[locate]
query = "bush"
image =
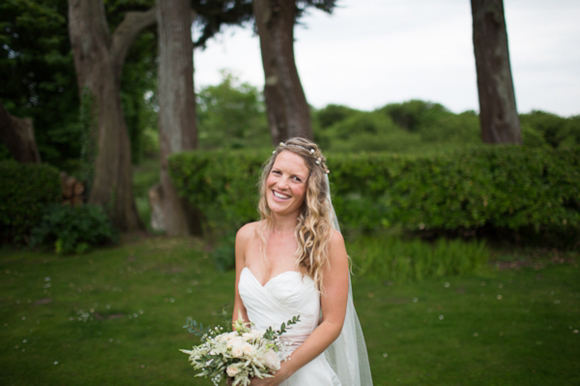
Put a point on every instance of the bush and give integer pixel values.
(25, 190)
(497, 187)
(374, 131)
(558, 132)
(414, 114)
(222, 185)
(224, 256)
(332, 114)
(74, 229)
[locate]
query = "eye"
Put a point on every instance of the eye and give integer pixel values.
(297, 179)
(277, 172)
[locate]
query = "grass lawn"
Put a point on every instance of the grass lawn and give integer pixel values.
(114, 317)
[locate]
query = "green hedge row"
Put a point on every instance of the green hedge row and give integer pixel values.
(25, 191)
(499, 186)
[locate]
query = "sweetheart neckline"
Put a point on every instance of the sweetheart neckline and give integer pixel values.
(271, 279)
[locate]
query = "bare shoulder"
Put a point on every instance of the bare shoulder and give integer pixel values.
(336, 239)
(247, 232)
(336, 247)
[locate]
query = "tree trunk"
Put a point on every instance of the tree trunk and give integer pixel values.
(18, 136)
(288, 111)
(497, 103)
(99, 58)
(177, 130)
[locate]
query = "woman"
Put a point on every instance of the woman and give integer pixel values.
(293, 262)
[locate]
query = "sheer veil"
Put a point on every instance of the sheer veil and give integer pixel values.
(348, 353)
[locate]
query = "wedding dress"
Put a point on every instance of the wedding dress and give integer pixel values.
(283, 297)
(345, 362)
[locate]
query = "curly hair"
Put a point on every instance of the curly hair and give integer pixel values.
(314, 227)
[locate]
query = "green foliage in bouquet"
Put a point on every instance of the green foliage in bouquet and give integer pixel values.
(240, 354)
(25, 190)
(271, 334)
(74, 229)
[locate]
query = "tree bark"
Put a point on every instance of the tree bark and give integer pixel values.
(288, 111)
(99, 58)
(177, 129)
(497, 104)
(18, 136)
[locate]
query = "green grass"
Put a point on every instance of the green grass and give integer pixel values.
(384, 257)
(114, 316)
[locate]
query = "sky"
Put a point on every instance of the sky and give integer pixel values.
(369, 53)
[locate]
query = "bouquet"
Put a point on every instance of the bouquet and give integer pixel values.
(241, 354)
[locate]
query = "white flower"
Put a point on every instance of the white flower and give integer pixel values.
(232, 370)
(235, 341)
(237, 350)
(226, 337)
(272, 360)
(248, 349)
(252, 335)
(243, 353)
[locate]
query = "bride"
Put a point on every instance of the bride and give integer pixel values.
(294, 262)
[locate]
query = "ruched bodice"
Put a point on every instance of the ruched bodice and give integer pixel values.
(284, 296)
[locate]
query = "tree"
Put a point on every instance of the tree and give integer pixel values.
(497, 104)
(288, 110)
(177, 129)
(231, 115)
(98, 57)
(37, 75)
(18, 135)
(38, 78)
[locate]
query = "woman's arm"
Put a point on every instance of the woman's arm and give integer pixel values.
(242, 237)
(333, 305)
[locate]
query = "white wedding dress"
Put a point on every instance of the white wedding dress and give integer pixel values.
(283, 297)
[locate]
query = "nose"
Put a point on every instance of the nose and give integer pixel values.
(282, 183)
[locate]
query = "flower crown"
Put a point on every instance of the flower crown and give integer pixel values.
(312, 151)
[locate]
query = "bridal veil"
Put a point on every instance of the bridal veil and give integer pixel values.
(348, 353)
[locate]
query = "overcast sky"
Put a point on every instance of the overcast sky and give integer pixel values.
(372, 52)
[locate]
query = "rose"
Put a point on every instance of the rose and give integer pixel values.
(237, 351)
(248, 349)
(252, 335)
(272, 360)
(226, 337)
(234, 341)
(232, 370)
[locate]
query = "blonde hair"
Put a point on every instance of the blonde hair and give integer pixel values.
(314, 227)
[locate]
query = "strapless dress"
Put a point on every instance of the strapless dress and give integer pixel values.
(284, 296)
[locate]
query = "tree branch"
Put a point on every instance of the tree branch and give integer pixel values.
(127, 31)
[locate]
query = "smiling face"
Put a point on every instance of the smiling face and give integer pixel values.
(286, 183)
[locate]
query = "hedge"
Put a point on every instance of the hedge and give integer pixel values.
(493, 186)
(25, 191)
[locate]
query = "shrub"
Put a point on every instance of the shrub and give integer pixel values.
(25, 189)
(558, 132)
(74, 229)
(364, 131)
(498, 187)
(224, 256)
(414, 114)
(332, 114)
(222, 185)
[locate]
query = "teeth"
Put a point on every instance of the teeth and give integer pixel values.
(282, 196)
